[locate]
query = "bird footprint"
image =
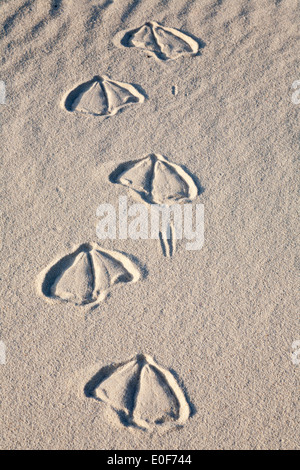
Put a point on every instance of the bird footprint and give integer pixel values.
(141, 392)
(101, 97)
(86, 275)
(156, 180)
(159, 41)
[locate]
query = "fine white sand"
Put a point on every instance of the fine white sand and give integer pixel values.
(217, 324)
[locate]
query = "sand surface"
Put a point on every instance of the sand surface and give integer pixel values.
(219, 323)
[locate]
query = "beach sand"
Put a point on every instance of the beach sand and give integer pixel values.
(220, 322)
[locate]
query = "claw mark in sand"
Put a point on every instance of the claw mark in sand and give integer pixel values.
(167, 238)
(142, 393)
(101, 97)
(159, 41)
(174, 90)
(86, 275)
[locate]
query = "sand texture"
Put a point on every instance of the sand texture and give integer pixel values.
(144, 343)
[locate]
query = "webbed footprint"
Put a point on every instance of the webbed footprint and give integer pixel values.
(156, 180)
(101, 97)
(86, 275)
(160, 41)
(142, 393)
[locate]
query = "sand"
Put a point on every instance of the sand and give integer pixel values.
(217, 324)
